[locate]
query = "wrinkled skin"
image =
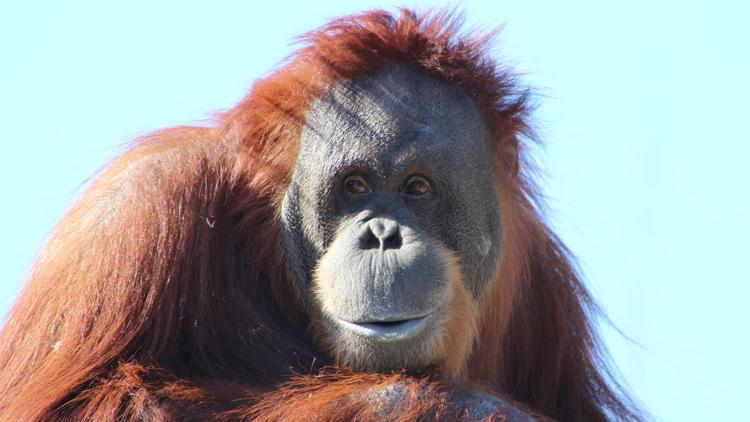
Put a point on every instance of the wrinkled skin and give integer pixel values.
(391, 204)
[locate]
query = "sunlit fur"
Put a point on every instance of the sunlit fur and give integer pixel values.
(164, 294)
(459, 324)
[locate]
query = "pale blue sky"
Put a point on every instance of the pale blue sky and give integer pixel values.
(643, 112)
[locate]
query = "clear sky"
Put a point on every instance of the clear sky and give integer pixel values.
(643, 110)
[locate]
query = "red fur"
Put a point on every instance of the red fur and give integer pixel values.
(162, 294)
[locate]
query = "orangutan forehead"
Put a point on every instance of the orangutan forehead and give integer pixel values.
(395, 111)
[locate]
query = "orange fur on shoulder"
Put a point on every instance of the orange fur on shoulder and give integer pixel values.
(163, 293)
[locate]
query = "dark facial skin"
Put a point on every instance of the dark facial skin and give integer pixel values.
(392, 200)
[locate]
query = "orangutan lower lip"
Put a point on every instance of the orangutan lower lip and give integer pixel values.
(388, 331)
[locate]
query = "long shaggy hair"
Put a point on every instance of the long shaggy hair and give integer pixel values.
(164, 294)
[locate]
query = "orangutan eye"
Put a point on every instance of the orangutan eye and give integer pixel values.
(356, 185)
(417, 186)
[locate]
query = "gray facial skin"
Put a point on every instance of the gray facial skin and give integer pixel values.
(386, 247)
